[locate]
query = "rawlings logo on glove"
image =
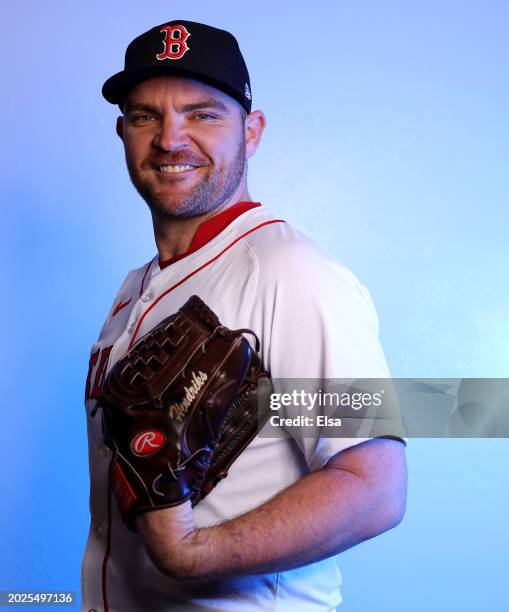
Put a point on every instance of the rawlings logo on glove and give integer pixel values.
(147, 443)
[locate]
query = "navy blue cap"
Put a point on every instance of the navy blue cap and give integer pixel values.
(184, 48)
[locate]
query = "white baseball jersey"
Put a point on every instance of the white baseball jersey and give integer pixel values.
(314, 320)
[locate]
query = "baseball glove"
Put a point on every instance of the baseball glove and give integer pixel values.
(179, 408)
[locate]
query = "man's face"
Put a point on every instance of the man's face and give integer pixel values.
(184, 144)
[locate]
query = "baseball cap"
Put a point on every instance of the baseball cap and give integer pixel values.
(184, 48)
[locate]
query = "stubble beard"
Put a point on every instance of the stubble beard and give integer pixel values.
(209, 194)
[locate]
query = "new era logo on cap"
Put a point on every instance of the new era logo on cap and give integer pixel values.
(183, 48)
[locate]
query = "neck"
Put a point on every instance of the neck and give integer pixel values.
(173, 235)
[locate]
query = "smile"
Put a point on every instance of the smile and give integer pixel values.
(175, 169)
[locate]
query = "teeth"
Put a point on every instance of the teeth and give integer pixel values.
(175, 169)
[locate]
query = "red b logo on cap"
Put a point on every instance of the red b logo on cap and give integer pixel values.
(147, 442)
(175, 45)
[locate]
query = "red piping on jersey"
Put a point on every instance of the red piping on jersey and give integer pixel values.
(119, 307)
(207, 263)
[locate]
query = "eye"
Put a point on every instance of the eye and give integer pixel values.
(141, 118)
(203, 116)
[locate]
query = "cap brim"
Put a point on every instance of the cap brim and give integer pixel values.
(116, 89)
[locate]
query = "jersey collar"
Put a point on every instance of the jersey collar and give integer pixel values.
(210, 228)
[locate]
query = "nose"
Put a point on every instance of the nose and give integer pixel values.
(171, 135)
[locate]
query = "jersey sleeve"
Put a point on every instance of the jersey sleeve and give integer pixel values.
(324, 326)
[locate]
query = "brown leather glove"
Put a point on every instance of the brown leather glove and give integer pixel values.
(178, 409)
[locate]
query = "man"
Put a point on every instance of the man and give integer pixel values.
(266, 537)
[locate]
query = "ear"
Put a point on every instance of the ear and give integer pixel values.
(254, 126)
(120, 128)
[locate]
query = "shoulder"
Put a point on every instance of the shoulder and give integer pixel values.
(278, 245)
(292, 264)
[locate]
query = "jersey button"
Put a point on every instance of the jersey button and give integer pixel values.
(98, 531)
(147, 297)
(131, 327)
(103, 451)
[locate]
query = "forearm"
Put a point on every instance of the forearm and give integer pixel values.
(323, 514)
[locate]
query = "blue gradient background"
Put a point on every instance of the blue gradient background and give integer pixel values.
(387, 141)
